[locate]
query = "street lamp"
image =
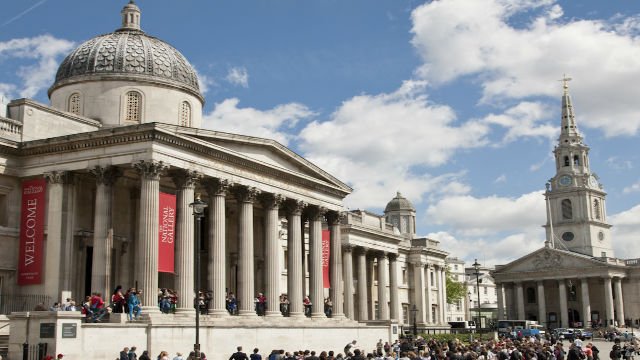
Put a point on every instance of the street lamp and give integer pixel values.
(414, 310)
(476, 268)
(198, 207)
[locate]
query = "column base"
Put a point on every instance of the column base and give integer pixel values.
(185, 312)
(273, 314)
(219, 313)
(297, 315)
(151, 310)
(338, 316)
(247, 313)
(318, 316)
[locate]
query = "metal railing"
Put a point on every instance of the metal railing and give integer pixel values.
(16, 303)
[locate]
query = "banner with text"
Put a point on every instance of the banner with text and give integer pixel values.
(32, 232)
(326, 252)
(167, 225)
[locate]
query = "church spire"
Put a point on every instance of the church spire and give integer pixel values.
(569, 133)
(130, 16)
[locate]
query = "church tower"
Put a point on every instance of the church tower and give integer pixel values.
(576, 211)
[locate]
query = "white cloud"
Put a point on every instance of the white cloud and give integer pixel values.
(619, 164)
(635, 187)
(272, 123)
(626, 227)
(41, 55)
(523, 120)
(479, 39)
(500, 179)
(238, 76)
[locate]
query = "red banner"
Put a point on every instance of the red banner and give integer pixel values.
(167, 225)
(32, 232)
(326, 252)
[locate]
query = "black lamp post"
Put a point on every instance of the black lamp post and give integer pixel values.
(414, 310)
(476, 268)
(198, 207)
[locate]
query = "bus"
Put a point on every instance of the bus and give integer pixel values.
(468, 324)
(512, 327)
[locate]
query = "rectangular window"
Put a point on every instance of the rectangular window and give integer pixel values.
(404, 275)
(286, 260)
(405, 313)
(486, 290)
(432, 282)
(433, 313)
(603, 254)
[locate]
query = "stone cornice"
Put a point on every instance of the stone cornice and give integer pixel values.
(49, 109)
(153, 132)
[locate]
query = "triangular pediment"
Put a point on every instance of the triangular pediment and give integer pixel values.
(263, 151)
(552, 260)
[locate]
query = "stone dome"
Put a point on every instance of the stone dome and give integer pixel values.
(399, 203)
(128, 54)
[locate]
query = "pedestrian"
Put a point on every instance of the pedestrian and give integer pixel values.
(124, 354)
(255, 355)
(178, 356)
(239, 355)
(145, 355)
(132, 353)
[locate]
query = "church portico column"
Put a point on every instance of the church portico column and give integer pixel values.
(217, 190)
(586, 304)
(335, 265)
(608, 300)
(294, 257)
(316, 285)
(348, 281)
(245, 197)
(394, 301)
(564, 311)
(619, 304)
(185, 181)
(102, 239)
(418, 293)
(519, 300)
(271, 203)
(427, 293)
(383, 306)
(500, 294)
(542, 305)
(363, 311)
(146, 271)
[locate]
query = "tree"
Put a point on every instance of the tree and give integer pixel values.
(455, 290)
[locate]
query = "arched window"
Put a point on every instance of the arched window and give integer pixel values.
(596, 209)
(133, 106)
(566, 161)
(567, 210)
(74, 104)
(531, 296)
(576, 160)
(185, 114)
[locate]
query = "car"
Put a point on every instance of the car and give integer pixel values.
(583, 334)
(559, 332)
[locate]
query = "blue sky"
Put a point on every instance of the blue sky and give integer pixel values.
(454, 103)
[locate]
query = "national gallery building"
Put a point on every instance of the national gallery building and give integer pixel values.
(96, 191)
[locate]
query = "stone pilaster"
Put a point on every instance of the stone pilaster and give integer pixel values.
(245, 196)
(418, 293)
(185, 181)
(348, 281)
(146, 268)
(102, 235)
(586, 304)
(294, 257)
(393, 288)
(363, 311)
(500, 293)
(427, 293)
(519, 300)
(316, 284)
(335, 265)
(271, 204)
(442, 292)
(217, 190)
(383, 302)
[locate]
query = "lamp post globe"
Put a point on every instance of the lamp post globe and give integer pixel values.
(198, 207)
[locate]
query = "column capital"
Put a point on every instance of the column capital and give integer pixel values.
(150, 169)
(294, 207)
(348, 248)
(184, 178)
(315, 212)
(393, 257)
(271, 201)
(247, 194)
(361, 250)
(59, 177)
(380, 255)
(334, 217)
(216, 186)
(106, 175)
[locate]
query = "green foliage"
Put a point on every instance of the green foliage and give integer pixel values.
(455, 290)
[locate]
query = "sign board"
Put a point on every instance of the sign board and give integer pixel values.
(69, 330)
(48, 330)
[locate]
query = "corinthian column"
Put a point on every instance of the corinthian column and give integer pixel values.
(185, 181)
(146, 271)
(608, 301)
(348, 282)
(335, 264)
(54, 246)
(393, 288)
(383, 303)
(102, 238)
(217, 190)
(316, 284)
(294, 257)
(619, 304)
(271, 204)
(418, 293)
(363, 313)
(245, 197)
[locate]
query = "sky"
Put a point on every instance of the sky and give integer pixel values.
(455, 103)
